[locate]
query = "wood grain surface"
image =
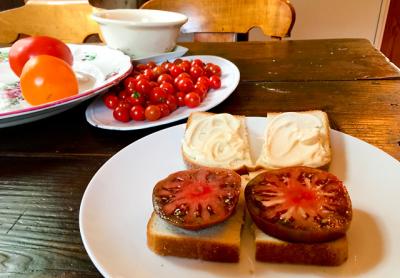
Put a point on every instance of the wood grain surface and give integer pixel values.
(46, 165)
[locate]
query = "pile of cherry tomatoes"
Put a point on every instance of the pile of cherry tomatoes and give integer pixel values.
(154, 91)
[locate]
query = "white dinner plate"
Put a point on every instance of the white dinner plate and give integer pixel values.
(97, 114)
(96, 67)
(117, 205)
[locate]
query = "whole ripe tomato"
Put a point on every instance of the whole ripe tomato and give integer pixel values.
(24, 49)
(46, 78)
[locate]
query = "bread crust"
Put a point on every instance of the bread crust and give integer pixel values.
(191, 247)
(331, 253)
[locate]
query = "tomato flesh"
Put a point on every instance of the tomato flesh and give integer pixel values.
(196, 199)
(299, 204)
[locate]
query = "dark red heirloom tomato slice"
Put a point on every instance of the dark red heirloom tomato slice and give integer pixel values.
(196, 199)
(299, 204)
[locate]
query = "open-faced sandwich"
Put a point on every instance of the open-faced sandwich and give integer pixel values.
(300, 212)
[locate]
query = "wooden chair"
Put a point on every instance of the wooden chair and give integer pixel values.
(68, 21)
(221, 20)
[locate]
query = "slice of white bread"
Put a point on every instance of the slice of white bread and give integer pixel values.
(296, 139)
(217, 140)
(270, 249)
(220, 243)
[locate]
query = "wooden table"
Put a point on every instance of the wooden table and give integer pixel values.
(45, 166)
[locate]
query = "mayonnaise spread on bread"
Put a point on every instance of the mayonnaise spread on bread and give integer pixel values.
(296, 139)
(217, 141)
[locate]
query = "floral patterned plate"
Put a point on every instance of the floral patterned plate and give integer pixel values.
(97, 68)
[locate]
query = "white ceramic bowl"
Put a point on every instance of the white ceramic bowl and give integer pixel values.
(140, 32)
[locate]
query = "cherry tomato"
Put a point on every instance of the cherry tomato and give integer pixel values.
(157, 71)
(123, 94)
(166, 66)
(168, 88)
(151, 64)
(130, 84)
(192, 100)
(185, 65)
(175, 70)
(181, 76)
(165, 77)
(197, 62)
(136, 98)
(178, 61)
(125, 104)
(141, 67)
(212, 69)
(215, 82)
(141, 76)
(24, 49)
(143, 86)
(180, 97)
(201, 90)
(121, 114)
(157, 95)
(185, 85)
(137, 113)
(152, 113)
(164, 108)
(171, 101)
(47, 78)
(149, 74)
(111, 101)
(196, 72)
(204, 81)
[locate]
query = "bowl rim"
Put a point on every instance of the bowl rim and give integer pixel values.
(98, 16)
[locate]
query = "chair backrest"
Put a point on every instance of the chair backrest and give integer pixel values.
(68, 21)
(220, 20)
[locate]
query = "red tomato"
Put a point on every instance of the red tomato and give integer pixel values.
(111, 101)
(212, 69)
(175, 70)
(121, 114)
(185, 85)
(136, 98)
(24, 49)
(130, 84)
(143, 86)
(149, 74)
(168, 88)
(123, 94)
(178, 61)
(125, 104)
(192, 100)
(185, 65)
(181, 76)
(171, 101)
(204, 81)
(215, 82)
(141, 67)
(141, 76)
(157, 95)
(165, 77)
(157, 71)
(201, 90)
(180, 97)
(137, 113)
(196, 72)
(299, 204)
(152, 113)
(166, 66)
(151, 64)
(164, 108)
(47, 78)
(197, 62)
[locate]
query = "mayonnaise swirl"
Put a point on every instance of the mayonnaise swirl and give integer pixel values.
(216, 141)
(296, 139)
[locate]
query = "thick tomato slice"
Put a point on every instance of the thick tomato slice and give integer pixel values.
(196, 199)
(299, 204)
